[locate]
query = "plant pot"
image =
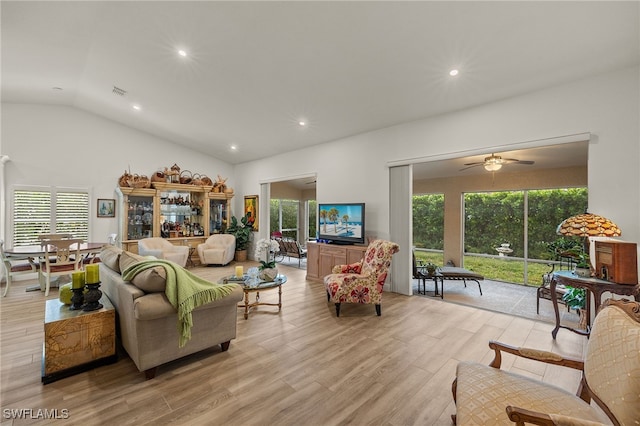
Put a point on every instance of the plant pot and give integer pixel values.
(269, 274)
(583, 318)
(240, 256)
(583, 272)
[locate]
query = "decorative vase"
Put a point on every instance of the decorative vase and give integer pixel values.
(269, 274)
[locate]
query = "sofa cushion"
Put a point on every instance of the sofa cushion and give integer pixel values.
(152, 280)
(110, 256)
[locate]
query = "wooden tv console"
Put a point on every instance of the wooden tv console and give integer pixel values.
(321, 258)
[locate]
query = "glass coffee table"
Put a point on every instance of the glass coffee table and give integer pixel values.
(260, 286)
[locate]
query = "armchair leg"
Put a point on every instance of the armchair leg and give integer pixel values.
(328, 297)
(337, 309)
(224, 346)
(378, 309)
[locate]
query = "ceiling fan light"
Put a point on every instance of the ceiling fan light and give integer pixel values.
(492, 166)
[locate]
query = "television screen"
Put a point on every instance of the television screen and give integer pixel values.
(341, 223)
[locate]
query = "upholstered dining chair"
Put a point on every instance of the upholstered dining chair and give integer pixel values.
(60, 258)
(13, 268)
(163, 249)
(362, 282)
(487, 395)
(218, 249)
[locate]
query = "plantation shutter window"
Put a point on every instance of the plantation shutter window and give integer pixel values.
(46, 211)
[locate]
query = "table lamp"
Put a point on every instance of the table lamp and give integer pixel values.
(588, 225)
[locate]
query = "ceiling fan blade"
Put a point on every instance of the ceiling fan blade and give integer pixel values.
(470, 165)
(477, 163)
(527, 162)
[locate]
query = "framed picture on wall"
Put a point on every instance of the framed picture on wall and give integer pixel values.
(106, 207)
(251, 207)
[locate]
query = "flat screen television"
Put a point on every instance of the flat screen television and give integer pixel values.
(341, 223)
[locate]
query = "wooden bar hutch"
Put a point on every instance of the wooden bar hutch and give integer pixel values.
(183, 214)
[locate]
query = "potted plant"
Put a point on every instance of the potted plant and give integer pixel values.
(583, 265)
(242, 231)
(268, 247)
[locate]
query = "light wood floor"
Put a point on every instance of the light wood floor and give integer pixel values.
(302, 366)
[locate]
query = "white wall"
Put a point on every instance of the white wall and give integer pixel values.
(354, 168)
(64, 146)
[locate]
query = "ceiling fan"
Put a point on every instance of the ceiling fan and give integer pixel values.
(494, 162)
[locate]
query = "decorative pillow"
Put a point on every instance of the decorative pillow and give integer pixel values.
(152, 280)
(110, 256)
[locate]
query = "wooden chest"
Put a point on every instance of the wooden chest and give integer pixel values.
(617, 261)
(76, 340)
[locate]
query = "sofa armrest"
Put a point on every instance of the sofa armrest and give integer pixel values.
(181, 249)
(150, 252)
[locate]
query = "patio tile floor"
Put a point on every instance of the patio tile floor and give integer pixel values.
(501, 297)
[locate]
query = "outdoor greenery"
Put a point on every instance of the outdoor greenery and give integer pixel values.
(494, 268)
(495, 218)
(289, 217)
(428, 221)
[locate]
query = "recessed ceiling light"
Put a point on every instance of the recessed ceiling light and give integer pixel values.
(233, 148)
(182, 53)
(302, 123)
(136, 107)
(453, 73)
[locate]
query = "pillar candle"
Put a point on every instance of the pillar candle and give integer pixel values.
(77, 279)
(239, 272)
(93, 274)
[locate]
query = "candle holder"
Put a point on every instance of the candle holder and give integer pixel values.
(77, 299)
(92, 297)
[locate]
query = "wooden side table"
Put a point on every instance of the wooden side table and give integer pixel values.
(594, 286)
(76, 341)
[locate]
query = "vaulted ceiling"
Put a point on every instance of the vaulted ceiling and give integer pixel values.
(253, 71)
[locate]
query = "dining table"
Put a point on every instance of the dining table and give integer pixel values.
(37, 253)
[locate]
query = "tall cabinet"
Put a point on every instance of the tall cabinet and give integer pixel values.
(183, 214)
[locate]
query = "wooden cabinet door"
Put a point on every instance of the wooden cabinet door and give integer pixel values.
(313, 263)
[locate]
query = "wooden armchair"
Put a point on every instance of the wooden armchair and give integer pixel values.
(486, 395)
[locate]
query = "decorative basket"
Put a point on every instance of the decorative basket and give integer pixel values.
(206, 180)
(139, 181)
(196, 179)
(186, 177)
(158, 177)
(123, 181)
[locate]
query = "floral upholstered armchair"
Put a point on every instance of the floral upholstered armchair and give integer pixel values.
(361, 282)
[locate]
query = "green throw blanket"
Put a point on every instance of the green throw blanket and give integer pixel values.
(185, 290)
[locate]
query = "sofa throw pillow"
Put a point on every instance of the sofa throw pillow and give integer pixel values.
(110, 256)
(153, 280)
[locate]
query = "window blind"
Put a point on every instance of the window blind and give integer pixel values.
(38, 212)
